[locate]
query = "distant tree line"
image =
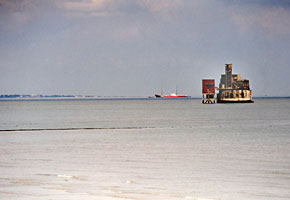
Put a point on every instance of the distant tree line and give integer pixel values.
(10, 95)
(31, 96)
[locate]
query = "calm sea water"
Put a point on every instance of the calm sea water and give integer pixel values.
(144, 150)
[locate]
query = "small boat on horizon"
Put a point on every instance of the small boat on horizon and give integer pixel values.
(172, 95)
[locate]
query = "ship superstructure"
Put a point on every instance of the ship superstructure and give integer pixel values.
(172, 95)
(233, 89)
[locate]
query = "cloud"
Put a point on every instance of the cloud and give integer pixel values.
(15, 14)
(267, 16)
(86, 5)
(162, 5)
(127, 34)
(262, 3)
(102, 8)
(271, 20)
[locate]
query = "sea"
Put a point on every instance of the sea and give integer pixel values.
(144, 150)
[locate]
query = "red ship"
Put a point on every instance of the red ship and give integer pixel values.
(173, 95)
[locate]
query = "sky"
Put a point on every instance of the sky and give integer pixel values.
(138, 47)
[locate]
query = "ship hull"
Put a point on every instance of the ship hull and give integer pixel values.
(170, 97)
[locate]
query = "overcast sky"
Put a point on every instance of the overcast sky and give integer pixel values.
(137, 47)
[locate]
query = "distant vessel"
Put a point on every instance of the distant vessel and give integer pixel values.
(172, 95)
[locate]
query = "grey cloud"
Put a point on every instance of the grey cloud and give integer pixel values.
(104, 8)
(264, 3)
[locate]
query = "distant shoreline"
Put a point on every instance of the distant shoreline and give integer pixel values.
(91, 98)
(274, 97)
